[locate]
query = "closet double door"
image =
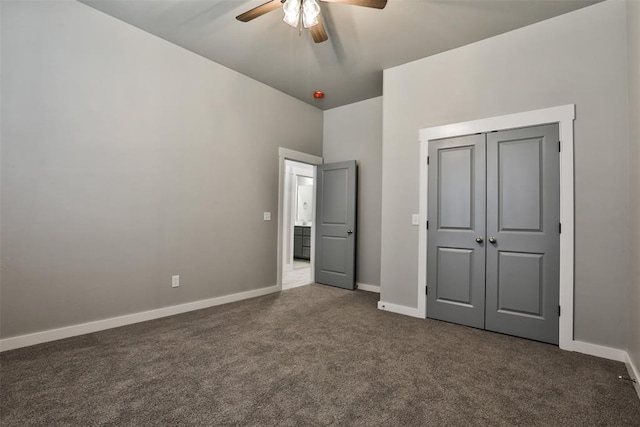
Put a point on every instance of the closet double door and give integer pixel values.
(494, 231)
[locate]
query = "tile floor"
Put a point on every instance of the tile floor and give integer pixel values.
(300, 275)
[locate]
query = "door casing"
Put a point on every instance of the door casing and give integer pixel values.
(287, 154)
(564, 116)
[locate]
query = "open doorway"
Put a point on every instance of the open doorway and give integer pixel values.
(298, 223)
(296, 218)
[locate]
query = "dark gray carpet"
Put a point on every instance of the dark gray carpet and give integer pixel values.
(309, 356)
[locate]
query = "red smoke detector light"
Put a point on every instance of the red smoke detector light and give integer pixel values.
(318, 94)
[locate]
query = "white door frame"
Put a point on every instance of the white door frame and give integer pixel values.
(564, 116)
(296, 156)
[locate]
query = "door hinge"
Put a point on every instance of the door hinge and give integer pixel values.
(559, 145)
(426, 290)
(427, 159)
(559, 227)
(427, 225)
(559, 311)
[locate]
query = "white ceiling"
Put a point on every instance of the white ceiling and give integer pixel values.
(362, 41)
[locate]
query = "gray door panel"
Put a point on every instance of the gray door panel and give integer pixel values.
(523, 216)
(336, 224)
(455, 261)
(453, 267)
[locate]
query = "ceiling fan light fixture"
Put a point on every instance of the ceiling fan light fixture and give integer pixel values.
(310, 13)
(309, 9)
(292, 12)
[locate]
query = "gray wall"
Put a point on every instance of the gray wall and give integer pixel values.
(125, 160)
(354, 132)
(576, 58)
(633, 47)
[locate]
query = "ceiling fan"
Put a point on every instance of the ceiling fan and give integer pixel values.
(304, 13)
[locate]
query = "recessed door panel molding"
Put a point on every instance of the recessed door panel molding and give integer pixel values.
(455, 257)
(519, 184)
(336, 224)
(335, 209)
(334, 255)
(520, 285)
(456, 187)
(454, 266)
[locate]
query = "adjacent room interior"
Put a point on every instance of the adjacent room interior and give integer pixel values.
(298, 217)
(159, 175)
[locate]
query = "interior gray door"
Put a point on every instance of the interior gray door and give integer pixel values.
(523, 217)
(456, 248)
(336, 224)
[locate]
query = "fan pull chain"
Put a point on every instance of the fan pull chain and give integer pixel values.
(300, 23)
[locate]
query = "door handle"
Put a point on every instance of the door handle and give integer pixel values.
(349, 232)
(479, 239)
(492, 239)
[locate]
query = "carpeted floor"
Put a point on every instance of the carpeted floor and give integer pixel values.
(313, 355)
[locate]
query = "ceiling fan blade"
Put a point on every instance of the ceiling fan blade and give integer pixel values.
(259, 10)
(376, 4)
(318, 33)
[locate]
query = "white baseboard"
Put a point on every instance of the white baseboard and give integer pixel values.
(114, 322)
(633, 373)
(368, 288)
(577, 346)
(599, 351)
(400, 309)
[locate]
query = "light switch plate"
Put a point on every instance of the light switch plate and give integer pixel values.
(267, 216)
(415, 219)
